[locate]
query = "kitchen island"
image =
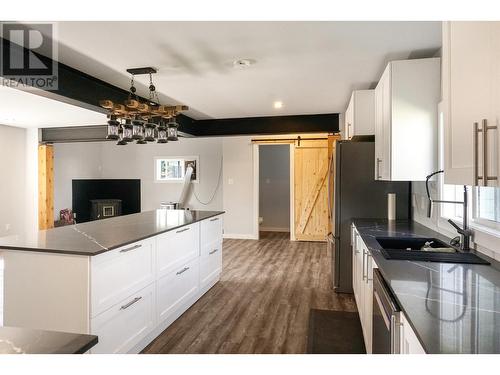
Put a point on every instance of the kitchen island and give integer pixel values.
(124, 279)
(451, 308)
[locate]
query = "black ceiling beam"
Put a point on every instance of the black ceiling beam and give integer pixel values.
(83, 89)
(322, 123)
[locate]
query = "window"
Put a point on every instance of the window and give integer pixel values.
(174, 169)
(486, 206)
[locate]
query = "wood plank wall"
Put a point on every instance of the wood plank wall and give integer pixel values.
(45, 186)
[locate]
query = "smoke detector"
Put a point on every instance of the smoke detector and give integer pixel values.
(243, 63)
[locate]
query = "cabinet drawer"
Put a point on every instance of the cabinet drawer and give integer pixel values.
(210, 264)
(119, 273)
(211, 230)
(177, 247)
(175, 289)
(125, 324)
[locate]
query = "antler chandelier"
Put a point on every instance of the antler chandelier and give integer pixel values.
(135, 120)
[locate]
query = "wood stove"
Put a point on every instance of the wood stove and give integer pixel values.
(105, 208)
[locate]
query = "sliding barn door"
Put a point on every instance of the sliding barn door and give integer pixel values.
(310, 190)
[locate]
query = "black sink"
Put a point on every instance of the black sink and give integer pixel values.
(410, 243)
(409, 248)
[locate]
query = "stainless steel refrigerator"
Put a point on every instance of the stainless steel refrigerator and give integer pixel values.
(356, 194)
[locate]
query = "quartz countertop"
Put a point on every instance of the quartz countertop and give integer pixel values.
(15, 340)
(96, 237)
(453, 308)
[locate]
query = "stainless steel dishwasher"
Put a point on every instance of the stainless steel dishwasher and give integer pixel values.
(386, 315)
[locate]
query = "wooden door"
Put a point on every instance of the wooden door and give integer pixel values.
(310, 190)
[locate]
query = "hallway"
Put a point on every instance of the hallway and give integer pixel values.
(262, 302)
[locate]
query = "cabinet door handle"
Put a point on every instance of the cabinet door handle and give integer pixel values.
(364, 253)
(130, 248)
(378, 168)
(182, 271)
(214, 219)
(476, 154)
(213, 251)
(486, 178)
(368, 257)
(183, 230)
(126, 306)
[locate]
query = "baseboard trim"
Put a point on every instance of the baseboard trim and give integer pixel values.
(274, 229)
(236, 236)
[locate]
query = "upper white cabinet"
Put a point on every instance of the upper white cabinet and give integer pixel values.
(360, 114)
(471, 102)
(406, 119)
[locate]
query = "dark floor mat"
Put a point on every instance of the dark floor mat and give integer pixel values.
(335, 332)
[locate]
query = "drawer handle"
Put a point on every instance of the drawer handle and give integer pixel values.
(130, 248)
(182, 271)
(183, 230)
(214, 219)
(213, 251)
(130, 303)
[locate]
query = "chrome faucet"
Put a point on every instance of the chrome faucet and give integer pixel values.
(465, 232)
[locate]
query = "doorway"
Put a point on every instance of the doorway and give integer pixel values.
(274, 189)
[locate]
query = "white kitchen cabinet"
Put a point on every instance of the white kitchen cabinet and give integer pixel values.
(118, 273)
(471, 102)
(360, 114)
(363, 265)
(177, 247)
(211, 230)
(406, 99)
(176, 289)
(125, 324)
(408, 339)
(210, 265)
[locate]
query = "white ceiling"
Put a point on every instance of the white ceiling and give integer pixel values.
(311, 67)
(27, 109)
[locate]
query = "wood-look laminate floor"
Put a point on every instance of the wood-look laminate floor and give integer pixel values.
(262, 302)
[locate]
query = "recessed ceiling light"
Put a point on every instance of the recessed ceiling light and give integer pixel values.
(278, 104)
(243, 63)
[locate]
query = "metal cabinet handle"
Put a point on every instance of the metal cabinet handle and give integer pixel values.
(183, 230)
(213, 251)
(130, 248)
(486, 178)
(130, 303)
(378, 168)
(214, 219)
(182, 271)
(368, 257)
(476, 154)
(364, 253)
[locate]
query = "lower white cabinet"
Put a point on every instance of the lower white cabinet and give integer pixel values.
(116, 274)
(210, 264)
(125, 324)
(177, 288)
(363, 265)
(408, 339)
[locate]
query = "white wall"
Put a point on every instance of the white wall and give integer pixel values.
(137, 161)
(107, 160)
(240, 220)
(73, 161)
(274, 187)
(13, 190)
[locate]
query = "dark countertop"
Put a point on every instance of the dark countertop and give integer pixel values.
(453, 308)
(96, 237)
(14, 340)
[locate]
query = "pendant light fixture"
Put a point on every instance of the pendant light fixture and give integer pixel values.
(172, 130)
(145, 120)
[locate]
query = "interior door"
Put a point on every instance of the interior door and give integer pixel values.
(310, 190)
